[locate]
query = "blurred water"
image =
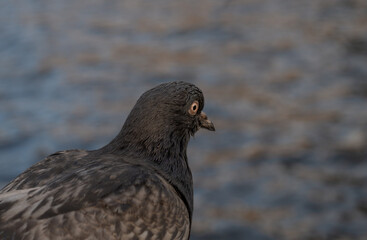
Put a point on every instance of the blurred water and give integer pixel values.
(284, 81)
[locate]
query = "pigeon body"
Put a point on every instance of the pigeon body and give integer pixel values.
(139, 186)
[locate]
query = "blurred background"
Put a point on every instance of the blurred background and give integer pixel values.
(285, 83)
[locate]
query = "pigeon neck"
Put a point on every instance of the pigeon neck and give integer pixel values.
(166, 153)
(157, 147)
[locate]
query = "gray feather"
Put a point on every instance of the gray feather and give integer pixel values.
(84, 202)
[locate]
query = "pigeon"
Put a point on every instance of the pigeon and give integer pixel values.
(138, 186)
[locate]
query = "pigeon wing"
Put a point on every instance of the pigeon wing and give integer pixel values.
(105, 199)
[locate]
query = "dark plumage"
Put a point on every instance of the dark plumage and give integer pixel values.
(139, 186)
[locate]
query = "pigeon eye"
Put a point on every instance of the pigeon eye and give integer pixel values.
(194, 108)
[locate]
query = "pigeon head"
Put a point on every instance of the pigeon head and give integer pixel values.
(163, 119)
(169, 107)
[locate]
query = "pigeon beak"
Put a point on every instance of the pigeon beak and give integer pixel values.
(205, 122)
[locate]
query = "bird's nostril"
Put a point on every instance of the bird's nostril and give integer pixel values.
(203, 116)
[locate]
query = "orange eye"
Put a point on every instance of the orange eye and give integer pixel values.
(194, 108)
